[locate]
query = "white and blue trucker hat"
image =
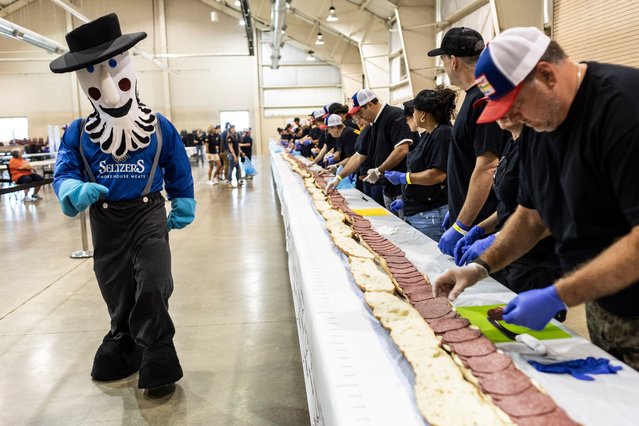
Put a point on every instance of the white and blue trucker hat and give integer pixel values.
(504, 65)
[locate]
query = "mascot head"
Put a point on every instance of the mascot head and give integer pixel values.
(98, 54)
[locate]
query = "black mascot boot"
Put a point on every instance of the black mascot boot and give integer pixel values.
(116, 358)
(160, 366)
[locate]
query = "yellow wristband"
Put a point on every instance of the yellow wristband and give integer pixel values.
(458, 229)
(408, 179)
(339, 178)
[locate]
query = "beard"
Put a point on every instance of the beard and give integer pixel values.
(118, 136)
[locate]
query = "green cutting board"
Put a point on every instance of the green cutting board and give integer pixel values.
(477, 316)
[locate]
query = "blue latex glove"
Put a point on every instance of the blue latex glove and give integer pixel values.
(450, 238)
(446, 222)
(298, 146)
(75, 196)
(396, 178)
(330, 160)
(182, 213)
(534, 308)
(397, 205)
(476, 249)
(578, 368)
(462, 245)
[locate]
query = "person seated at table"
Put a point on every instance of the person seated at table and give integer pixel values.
(22, 173)
(424, 189)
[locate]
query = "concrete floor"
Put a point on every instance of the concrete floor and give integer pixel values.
(236, 333)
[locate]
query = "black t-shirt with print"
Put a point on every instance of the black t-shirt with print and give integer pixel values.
(431, 153)
(470, 140)
(213, 142)
(346, 142)
(232, 140)
(582, 177)
(386, 133)
(248, 150)
(361, 147)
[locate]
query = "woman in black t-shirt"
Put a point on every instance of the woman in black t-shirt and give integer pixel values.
(424, 192)
(540, 266)
(213, 154)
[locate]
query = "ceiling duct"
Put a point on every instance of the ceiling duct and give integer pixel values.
(248, 25)
(278, 26)
(16, 32)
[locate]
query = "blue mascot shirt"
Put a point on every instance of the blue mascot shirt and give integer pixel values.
(126, 180)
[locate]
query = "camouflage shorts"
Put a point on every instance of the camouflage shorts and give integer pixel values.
(616, 335)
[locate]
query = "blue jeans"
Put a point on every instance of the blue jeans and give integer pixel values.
(429, 223)
(199, 152)
(233, 165)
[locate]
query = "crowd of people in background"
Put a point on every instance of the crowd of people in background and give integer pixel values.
(225, 150)
(517, 186)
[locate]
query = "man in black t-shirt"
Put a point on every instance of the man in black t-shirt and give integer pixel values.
(389, 140)
(578, 181)
(246, 143)
(345, 138)
(475, 149)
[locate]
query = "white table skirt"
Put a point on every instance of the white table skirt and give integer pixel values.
(353, 371)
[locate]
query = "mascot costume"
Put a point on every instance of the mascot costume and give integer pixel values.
(116, 163)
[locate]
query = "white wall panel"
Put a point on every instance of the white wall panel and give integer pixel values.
(301, 75)
(301, 97)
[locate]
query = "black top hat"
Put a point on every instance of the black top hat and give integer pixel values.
(93, 43)
(460, 41)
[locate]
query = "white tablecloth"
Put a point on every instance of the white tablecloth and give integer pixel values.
(355, 374)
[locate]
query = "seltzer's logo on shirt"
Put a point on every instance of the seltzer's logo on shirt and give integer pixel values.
(484, 85)
(122, 170)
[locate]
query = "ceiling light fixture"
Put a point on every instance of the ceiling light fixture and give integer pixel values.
(332, 16)
(310, 56)
(237, 3)
(242, 22)
(320, 38)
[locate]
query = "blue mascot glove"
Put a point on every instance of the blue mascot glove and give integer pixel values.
(446, 222)
(182, 213)
(578, 368)
(396, 178)
(397, 205)
(450, 238)
(534, 308)
(476, 249)
(75, 196)
(462, 245)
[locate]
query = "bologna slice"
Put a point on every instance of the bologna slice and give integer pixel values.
(526, 404)
(491, 363)
(433, 308)
(507, 382)
(554, 418)
(462, 335)
(477, 347)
